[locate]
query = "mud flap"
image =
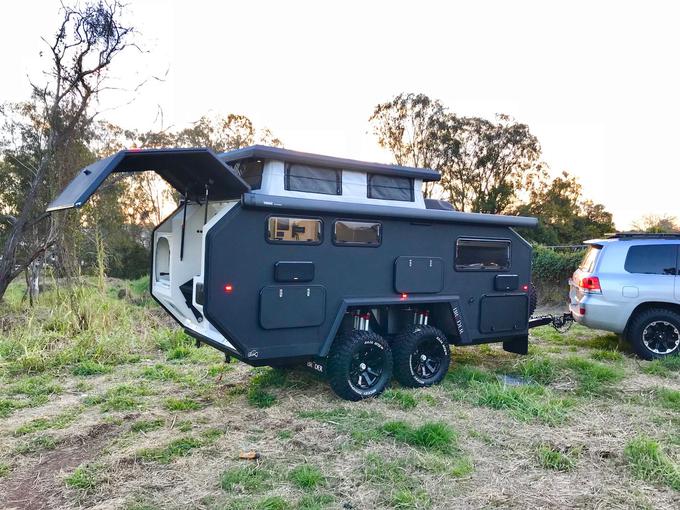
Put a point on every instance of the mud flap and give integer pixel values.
(517, 344)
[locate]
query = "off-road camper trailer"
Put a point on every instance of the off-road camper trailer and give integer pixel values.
(279, 257)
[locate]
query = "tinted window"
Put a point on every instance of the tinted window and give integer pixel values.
(361, 233)
(588, 262)
(293, 230)
(313, 179)
(386, 187)
(652, 259)
(482, 255)
(250, 170)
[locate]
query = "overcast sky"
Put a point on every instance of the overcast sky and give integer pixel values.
(597, 82)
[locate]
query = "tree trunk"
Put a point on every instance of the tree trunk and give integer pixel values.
(8, 269)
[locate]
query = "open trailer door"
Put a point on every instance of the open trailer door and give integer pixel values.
(209, 187)
(192, 172)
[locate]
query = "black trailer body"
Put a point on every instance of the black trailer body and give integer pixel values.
(278, 257)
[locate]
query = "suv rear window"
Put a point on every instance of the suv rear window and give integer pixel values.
(588, 262)
(652, 259)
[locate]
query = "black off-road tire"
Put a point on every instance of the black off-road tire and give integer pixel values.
(346, 357)
(533, 298)
(409, 367)
(655, 333)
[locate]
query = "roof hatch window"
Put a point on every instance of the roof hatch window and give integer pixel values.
(313, 179)
(387, 187)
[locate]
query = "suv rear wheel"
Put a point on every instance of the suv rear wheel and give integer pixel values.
(655, 333)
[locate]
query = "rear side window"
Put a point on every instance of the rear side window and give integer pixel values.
(652, 259)
(313, 179)
(293, 230)
(357, 233)
(588, 262)
(482, 255)
(386, 187)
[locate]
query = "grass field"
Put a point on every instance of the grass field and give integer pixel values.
(105, 404)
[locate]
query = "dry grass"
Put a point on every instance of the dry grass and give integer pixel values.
(112, 414)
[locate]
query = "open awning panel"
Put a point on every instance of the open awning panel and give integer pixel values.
(189, 171)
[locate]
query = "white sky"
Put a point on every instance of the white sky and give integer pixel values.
(597, 82)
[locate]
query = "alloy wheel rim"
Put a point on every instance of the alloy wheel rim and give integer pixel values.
(427, 359)
(366, 367)
(661, 337)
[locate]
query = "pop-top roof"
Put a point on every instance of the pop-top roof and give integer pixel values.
(305, 158)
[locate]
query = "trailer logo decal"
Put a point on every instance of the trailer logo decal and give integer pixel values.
(253, 354)
(315, 366)
(459, 320)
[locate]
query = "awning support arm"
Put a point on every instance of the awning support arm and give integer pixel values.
(205, 215)
(184, 223)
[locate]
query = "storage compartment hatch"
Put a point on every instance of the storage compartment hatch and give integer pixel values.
(414, 275)
(503, 313)
(292, 306)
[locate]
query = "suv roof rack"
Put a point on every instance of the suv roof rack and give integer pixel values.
(644, 235)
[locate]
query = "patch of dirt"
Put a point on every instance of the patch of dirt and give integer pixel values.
(39, 486)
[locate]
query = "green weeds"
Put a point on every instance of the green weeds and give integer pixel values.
(664, 367)
(264, 379)
(648, 462)
(668, 398)
(402, 399)
(84, 478)
(306, 476)
(249, 478)
(593, 377)
(147, 425)
(436, 436)
(165, 455)
(37, 444)
(59, 421)
(181, 404)
(89, 367)
(398, 487)
(557, 459)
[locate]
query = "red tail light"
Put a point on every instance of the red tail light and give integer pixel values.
(591, 284)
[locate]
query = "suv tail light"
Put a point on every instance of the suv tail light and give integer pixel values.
(591, 284)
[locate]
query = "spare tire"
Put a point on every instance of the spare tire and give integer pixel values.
(533, 298)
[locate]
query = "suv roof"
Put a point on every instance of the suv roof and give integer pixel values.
(637, 237)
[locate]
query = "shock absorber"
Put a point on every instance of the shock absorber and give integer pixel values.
(421, 317)
(362, 321)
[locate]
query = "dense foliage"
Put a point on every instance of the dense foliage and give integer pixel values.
(488, 166)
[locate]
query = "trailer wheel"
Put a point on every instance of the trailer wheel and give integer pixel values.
(359, 365)
(421, 357)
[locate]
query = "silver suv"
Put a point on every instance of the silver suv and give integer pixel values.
(630, 284)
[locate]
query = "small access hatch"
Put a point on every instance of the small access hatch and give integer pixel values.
(504, 313)
(418, 274)
(292, 306)
(189, 171)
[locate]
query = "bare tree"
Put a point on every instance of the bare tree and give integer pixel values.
(663, 224)
(83, 48)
